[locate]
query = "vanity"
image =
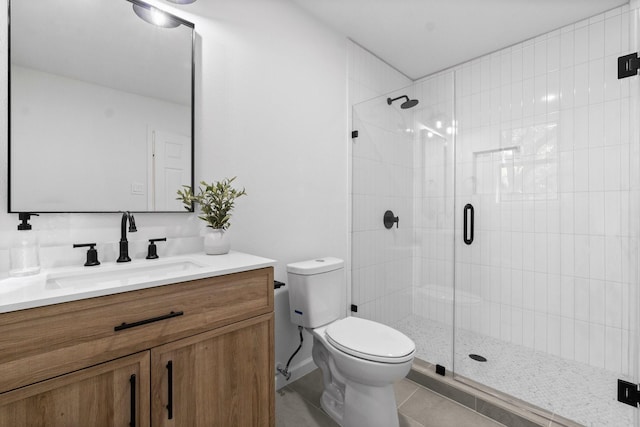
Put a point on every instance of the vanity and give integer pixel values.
(190, 344)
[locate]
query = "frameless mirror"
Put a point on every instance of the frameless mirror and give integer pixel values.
(101, 107)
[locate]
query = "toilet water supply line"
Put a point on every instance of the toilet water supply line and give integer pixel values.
(285, 372)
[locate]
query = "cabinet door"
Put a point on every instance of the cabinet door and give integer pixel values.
(224, 377)
(115, 393)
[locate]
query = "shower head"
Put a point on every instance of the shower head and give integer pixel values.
(406, 104)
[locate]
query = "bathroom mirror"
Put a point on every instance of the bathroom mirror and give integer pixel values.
(100, 107)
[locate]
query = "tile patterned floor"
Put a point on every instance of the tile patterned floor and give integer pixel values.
(298, 405)
(573, 390)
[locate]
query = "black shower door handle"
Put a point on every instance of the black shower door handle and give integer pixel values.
(468, 223)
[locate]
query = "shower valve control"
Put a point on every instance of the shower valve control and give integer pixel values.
(389, 219)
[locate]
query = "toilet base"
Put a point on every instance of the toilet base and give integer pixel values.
(332, 399)
(364, 406)
(369, 406)
(332, 407)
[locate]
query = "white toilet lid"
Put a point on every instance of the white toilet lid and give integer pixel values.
(370, 340)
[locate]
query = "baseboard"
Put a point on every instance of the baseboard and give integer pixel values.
(297, 370)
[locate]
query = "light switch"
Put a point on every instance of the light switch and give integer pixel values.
(137, 188)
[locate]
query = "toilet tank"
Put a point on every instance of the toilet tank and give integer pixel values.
(316, 291)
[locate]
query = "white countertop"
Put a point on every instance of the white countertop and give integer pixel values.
(64, 284)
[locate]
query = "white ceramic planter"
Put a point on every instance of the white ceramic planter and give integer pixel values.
(216, 242)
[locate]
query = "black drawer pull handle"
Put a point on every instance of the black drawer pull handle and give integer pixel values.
(468, 221)
(170, 390)
(132, 381)
(147, 321)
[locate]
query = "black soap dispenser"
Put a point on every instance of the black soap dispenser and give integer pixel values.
(24, 259)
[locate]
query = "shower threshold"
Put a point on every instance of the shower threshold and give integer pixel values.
(537, 387)
(493, 404)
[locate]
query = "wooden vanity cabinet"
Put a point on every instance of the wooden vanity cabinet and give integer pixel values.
(218, 378)
(114, 393)
(207, 355)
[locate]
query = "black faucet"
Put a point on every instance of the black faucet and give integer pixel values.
(124, 243)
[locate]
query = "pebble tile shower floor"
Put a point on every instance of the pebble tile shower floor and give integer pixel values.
(573, 390)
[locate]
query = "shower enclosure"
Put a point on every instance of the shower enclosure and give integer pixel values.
(515, 181)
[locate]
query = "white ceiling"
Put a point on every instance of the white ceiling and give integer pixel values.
(420, 37)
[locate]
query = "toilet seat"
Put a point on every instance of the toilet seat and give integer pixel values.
(370, 340)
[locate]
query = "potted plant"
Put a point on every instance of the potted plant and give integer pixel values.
(216, 202)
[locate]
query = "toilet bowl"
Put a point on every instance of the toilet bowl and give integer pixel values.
(359, 359)
(362, 369)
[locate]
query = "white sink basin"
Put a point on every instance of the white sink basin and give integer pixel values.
(119, 275)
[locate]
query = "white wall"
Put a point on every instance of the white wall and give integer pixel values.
(274, 114)
(271, 108)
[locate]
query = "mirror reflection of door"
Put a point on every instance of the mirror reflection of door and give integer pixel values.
(168, 170)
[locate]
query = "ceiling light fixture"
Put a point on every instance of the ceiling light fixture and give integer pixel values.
(182, 1)
(155, 16)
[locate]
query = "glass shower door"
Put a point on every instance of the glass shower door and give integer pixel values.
(547, 161)
(382, 181)
(402, 161)
(633, 243)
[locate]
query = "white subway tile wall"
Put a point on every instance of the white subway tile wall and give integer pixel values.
(543, 155)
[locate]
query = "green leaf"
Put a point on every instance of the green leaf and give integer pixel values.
(216, 201)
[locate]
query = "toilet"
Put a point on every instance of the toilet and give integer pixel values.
(359, 359)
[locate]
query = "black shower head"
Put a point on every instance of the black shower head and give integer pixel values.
(406, 104)
(409, 104)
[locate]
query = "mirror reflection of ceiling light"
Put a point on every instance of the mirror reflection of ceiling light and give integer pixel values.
(155, 16)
